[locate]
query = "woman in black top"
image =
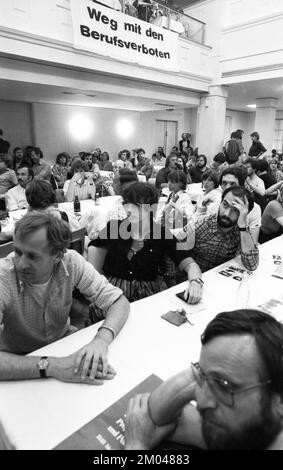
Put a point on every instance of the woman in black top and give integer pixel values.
(136, 246)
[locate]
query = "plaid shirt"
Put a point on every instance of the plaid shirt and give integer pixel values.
(28, 322)
(213, 247)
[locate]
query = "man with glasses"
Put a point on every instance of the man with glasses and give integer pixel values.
(237, 386)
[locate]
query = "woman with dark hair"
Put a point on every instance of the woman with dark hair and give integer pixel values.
(81, 184)
(125, 157)
(178, 202)
(105, 163)
(211, 199)
(122, 179)
(130, 251)
(41, 197)
(60, 169)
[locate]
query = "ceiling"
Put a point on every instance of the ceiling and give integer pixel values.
(11, 90)
(243, 94)
(239, 95)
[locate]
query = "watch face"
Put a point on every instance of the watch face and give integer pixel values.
(43, 364)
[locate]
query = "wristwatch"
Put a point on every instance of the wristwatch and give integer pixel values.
(198, 280)
(43, 366)
(243, 229)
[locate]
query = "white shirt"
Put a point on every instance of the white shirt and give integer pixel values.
(16, 198)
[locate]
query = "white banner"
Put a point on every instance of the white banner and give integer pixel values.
(110, 33)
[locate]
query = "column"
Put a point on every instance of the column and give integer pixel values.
(265, 120)
(211, 121)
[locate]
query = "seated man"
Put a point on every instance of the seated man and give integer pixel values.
(221, 236)
(16, 197)
(237, 385)
(36, 286)
(41, 169)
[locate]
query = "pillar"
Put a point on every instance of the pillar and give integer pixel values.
(211, 121)
(265, 121)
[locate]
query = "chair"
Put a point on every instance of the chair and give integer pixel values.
(6, 249)
(78, 240)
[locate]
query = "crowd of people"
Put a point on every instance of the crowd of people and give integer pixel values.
(136, 255)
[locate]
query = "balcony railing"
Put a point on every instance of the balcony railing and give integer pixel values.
(160, 15)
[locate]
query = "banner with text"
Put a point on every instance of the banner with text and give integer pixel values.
(111, 33)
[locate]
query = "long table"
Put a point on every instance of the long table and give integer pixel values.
(39, 414)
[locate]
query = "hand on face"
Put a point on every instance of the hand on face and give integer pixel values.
(243, 209)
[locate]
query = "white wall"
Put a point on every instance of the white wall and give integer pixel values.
(240, 11)
(15, 120)
(51, 127)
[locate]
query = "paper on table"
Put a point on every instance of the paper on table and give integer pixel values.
(273, 307)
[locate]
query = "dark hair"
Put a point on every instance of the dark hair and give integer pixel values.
(16, 149)
(140, 150)
(220, 158)
(38, 151)
(255, 134)
(126, 175)
(212, 176)
(140, 193)
(5, 158)
(202, 156)
(59, 156)
(107, 155)
(274, 160)
(263, 165)
(178, 176)
(127, 152)
(78, 165)
(254, 162)
(233, 135)
(167, 163)
(183, 168)
(40, 194)
(235, 171)
(30, 170)
(58, 232)
(241, 192)
(268, 335)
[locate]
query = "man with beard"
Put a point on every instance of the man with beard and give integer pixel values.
(16, 197)
(237, 386)
(219, 237)
(197, 171)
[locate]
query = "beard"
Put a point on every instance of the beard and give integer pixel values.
(257, 434)
(225, 222)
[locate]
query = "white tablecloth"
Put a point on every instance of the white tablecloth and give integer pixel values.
(39, 414)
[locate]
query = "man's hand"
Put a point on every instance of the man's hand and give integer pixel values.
(141, 432)
(88, 358)
(243, 209)
(62, 368)
(193, 294)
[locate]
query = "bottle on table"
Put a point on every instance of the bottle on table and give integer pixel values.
(77, 204)
(97, 201)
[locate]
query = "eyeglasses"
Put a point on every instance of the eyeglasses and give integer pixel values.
(223, 390)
